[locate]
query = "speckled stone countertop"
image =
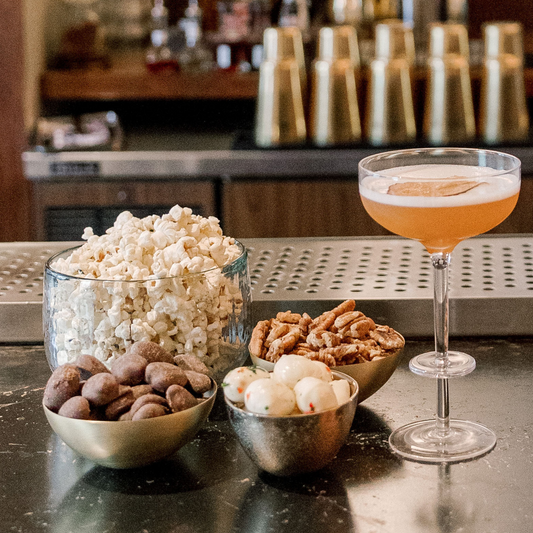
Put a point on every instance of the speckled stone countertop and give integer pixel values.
(210, 485)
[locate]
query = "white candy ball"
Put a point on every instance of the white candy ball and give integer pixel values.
(314, 395)
(238, 379)
(341, 388)
(292, 368)
(322, 371)
(269, 397)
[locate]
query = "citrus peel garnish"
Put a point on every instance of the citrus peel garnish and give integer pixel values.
(451, 186)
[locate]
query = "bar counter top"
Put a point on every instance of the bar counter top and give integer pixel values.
(210, 486)
(161, 152)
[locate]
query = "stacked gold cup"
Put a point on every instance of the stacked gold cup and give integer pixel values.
(390, 116)
(449, 110)
(333, 115)
(334, 111)
(280, 114)
(343, 12)
(503, 112)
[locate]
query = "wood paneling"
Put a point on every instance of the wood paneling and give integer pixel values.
(271, 209)
(295, 209)
(14, 189)
(480, 11)
(119, 193)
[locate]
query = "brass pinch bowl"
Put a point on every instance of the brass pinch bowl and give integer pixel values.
(294, 444)
(131, 444)
(370, 376)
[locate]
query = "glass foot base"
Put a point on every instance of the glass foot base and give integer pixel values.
(458, 364)
(420, 441)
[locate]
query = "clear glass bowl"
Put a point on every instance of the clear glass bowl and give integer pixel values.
(206, 313)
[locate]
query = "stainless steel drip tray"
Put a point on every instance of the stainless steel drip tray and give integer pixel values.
(391, 279)
(21, 288)
(491, 282)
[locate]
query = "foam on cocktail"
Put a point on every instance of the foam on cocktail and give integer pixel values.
(439, 222)
(494, 185)
(440, 205)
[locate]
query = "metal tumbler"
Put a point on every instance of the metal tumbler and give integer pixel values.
(280, 115)
(286, 43)
(449, 110)
(503, 109)
(394, 39)
(390, 117)
(334, 110)
(345, 11)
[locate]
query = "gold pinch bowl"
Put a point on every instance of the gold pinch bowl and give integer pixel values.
(294, 444)
(370, 376)
(131, 444)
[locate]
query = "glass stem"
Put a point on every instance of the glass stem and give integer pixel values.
(441, 262)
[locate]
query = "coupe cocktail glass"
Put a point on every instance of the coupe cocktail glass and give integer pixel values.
(440, 197)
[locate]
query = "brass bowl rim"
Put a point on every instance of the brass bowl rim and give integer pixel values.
(340, 375)
(337, 368)
(389, 364)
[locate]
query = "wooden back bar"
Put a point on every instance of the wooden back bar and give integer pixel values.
(480, 11)
(14, 189)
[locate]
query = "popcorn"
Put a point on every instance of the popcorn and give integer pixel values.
(152, 279)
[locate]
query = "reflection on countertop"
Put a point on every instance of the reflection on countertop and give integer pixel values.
(210, 486)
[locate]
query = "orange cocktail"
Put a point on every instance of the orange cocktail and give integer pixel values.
(478, 204)
(440, 229)
(439, 197)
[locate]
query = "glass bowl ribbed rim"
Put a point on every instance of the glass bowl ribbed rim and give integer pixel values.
(383, 156)
(224, 268)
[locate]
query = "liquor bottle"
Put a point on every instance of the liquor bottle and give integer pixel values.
(240, 33)
(194, 56)
(294, 13)
(159, 56)
(457, 11)
(82, 37)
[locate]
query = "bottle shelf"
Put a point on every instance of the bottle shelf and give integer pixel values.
(129, 79)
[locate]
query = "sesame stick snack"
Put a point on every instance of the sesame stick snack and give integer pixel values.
(339, 337)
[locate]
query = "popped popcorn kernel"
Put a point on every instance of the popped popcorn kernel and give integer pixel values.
(153, 279)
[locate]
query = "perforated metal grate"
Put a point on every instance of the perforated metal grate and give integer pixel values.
(21, 271)
(388, 268)
(491, 282)
(392, 281)
(21, 288)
